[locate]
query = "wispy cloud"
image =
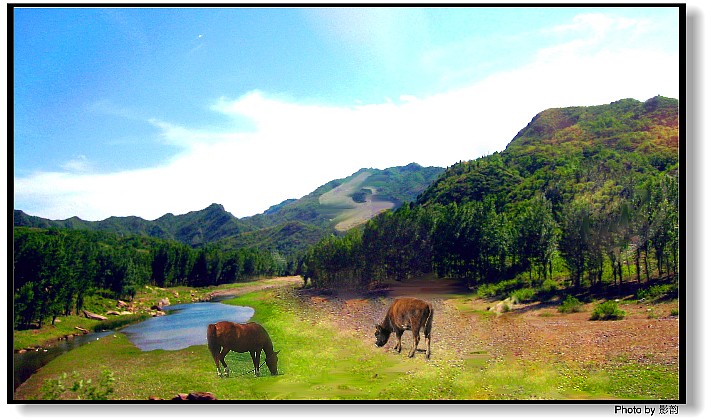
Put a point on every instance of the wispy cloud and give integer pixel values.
(294, 145)
(79, 164)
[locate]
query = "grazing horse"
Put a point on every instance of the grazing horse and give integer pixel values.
(225, 336)
(406, 314)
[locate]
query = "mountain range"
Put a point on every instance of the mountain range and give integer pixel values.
(286, 227)
(594, 153)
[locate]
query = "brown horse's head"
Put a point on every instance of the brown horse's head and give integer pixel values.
(272, 362)
(382, 335)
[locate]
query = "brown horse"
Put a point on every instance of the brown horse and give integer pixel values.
(251, 337)
(406, 314)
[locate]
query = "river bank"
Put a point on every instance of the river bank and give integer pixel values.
(66, 328)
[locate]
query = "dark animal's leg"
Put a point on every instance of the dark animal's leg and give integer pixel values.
(256, 361)
(427, 343)
(428, 330)
(416, 340)
(426, 333)
(216, 358)
(224, 353)
(399, 334)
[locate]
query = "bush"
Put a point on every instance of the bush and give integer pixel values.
(570, 305)
(501, 289)
(80, 389)
(523, 295)
(607, 311)
(656, 291)
(548, 289)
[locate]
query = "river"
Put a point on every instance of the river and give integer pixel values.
(184, 325)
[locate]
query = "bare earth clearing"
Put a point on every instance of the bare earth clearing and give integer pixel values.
(536, 332)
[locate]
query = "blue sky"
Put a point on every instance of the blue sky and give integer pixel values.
(146, 111)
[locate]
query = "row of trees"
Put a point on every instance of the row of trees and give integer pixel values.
(55, 270)
(478, 241)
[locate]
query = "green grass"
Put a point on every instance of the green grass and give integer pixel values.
(319, 362)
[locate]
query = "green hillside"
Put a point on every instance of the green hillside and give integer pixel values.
(570, 152)
(583, 196)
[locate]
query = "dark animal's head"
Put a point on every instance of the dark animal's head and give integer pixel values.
(272, 362)
(382, 335)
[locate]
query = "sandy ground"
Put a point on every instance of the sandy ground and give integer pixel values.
(647, 334)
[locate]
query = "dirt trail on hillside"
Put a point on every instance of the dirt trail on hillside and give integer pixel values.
(648, 334)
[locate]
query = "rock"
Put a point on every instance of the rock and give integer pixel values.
(121, 304)
(163, 302)
(92, 315)
(113, 313)
(84, 330)
(201, 396)
(195, 396)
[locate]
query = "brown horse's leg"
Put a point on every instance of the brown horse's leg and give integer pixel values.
(399, 346)
(216, 358)
(416, 340)
(427, 343)
(224, 353)
(256, 361)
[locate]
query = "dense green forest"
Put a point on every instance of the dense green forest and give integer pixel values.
(586, 195)
(55, 270)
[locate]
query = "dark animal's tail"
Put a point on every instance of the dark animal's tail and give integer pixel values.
(429, 322)
(213, 345)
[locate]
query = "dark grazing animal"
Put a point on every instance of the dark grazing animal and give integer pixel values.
(251, 337)
(406, 314)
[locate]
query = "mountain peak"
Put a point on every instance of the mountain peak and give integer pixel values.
(215, 207)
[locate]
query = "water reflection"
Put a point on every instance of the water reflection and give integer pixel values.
(184, 326)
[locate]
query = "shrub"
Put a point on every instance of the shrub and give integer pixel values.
(656, 291)
(570, 305)
(607, 311)
(548, 288)
(81, 389)
(523, 295)
(501, 289)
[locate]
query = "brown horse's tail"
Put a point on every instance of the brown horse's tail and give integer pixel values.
(213, 345)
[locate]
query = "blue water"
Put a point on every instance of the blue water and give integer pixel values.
(185, 325)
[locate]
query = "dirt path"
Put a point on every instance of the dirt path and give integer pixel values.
(648, 334)
(261, 285)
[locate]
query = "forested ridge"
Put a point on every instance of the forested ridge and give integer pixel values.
(583, 197)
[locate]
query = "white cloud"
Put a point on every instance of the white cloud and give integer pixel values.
(79, 164)
(294, 146)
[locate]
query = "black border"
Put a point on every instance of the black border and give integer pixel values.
(689, 27)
